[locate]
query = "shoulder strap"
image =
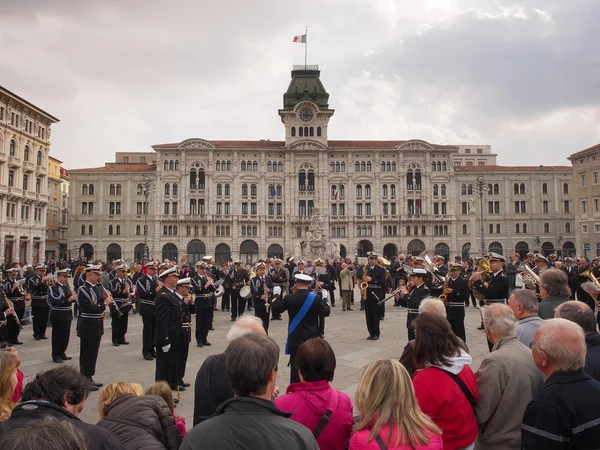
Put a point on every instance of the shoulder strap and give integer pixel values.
(463, 387)
(332, 403)
(298, 317)
(380, 443)
(133, 424)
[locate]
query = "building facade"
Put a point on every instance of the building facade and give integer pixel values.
(24, 146)
(253, 199)
(586, 180)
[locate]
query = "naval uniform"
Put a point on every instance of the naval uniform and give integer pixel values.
(261, 305)
(236, 279)
(375, 292)
(16, 296)
(168, 331)
(412, 302)
(3, 317)
(203, 303)
(326, 281)
(226, 298)
(119, 322)
(455, 305)
(61, 316)
(40, 310)
(495, 291)
(308, 326)
(90, 327)
(146, 291)
(186, 336)
(280, 278)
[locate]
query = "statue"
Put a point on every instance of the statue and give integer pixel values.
(471, 207)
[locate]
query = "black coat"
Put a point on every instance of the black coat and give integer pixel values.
(455, 302)
(378, 283)
(168, 318)
(158, 430)
(212, 387)
(146, 291)
(91, 311)
(413, 300)
(96, 438)
(58, 297)
(496, 289)
(307, 328)
(592, 357)
(245, 423)
(202, 293)
(38, 290)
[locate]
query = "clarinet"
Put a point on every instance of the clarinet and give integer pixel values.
(112, 305)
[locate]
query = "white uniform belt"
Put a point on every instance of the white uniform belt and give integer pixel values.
(186, 325)
(495, 300)
(15, 299)
(373, 286)
(91, 316)
(203, 295)
(413, 311)
(39, 297)
(456, 304)
(61, 308)
(148, 302)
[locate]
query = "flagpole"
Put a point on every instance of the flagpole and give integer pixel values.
(305, 47)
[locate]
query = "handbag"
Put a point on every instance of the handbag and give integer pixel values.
(332, 403)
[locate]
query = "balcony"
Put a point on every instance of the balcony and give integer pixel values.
(3, 189)
(30, 195)
(42, 197)
(13, 161)
(15, 191)
(28, 166)
(42, 170)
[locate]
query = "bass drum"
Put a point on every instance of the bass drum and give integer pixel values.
(245, 292)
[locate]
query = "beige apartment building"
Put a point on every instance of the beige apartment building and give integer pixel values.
(24, 146)
(253, 199)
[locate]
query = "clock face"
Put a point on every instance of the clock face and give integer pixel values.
(306, 114)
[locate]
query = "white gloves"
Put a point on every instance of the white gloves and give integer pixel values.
(324, 294)
(277, 290)
(166, 348)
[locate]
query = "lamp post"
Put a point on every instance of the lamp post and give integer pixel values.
(480, 190)
(146, 194)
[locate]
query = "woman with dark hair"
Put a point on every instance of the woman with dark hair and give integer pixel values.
(554, 290)
(313, 398)
(445, 385)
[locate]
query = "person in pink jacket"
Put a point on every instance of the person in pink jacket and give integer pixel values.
(313, 398)
(390, 417)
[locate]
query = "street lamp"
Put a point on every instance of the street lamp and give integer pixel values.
(480, 189)
(146, 194)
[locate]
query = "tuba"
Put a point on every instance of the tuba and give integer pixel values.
(483, 267)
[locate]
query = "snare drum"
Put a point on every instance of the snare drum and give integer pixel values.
(245, 292)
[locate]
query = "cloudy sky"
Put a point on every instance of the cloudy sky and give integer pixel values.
(121, 75)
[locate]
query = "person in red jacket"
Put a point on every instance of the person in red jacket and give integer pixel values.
(445, 385)
(313, 398)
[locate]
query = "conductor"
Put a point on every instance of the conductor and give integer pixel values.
(304, 308)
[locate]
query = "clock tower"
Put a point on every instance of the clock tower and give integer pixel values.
(305, 112)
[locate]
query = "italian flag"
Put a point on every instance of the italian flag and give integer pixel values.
(300, 39)
(337, 191)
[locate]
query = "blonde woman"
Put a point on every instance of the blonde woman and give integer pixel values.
(9, 363)
(390, 417)
(138, 421)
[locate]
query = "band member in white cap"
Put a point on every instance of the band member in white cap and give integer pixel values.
(168, 330)
(120, 288)
(412, 295)
(60, 298)
(237, 278)
(15, 294)
(146, 288)
(304, 308)
(40, 310)
(375, 277)
(90, 325)
(457, 294)
(261, 287)
(183, 291)
(203, 289)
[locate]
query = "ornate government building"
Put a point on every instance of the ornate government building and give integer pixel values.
(253, 199)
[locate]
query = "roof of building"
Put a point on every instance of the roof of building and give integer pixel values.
(306, 85)
(31, 105)
(281, 144)
(582, 152)
(118, 167)
(512, 168)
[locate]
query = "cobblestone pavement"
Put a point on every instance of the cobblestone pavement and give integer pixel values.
(345, 331)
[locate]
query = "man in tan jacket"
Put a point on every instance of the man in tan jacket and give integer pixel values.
(347, 275)
(507, 380)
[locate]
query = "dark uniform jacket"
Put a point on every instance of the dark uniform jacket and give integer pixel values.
(91, 311)
(146, 292)
(58, 298)
(413, 300)
(563, 414)
(571, 277)
(246, 423)
(377, 284)
(307, 328)
(38, 290)
(237, 277)
(3, 308)
(96, 438)
(202, 293)
(257, 287)
(497, 288)
(168, 318)
(455, 302)
(14, 295)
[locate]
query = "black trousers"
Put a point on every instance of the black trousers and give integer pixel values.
(382, 311)
(88, 354)
(260, 311)
(149, 321)
(225, 300)
(167, 368)
(61, 331)
(238, 304)
(373, 316)
(204, 318)
(332, 296)
(411, 333)
(12, 328)
(294, 375)
(458, 327)
(184, 350)
(40, 320)
(119, 325)
(321, 324)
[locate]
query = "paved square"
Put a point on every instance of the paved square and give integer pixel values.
(345, 331)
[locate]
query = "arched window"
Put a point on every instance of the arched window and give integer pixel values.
(567, 227)
(443, 190)
(166, 165)
(435, 190)
(243, 166)
(522, 188)
(409, 180)
(253, 190)
(300, 131)
(228, 165)
(418, 179)
(255, 166)
(279, 166)
(517, 228)
(193, 179)
(524, 228)
(188, 230)
(201, 179)
(39, 158)
(546, 228)
(91, 189)
(111, 189)
(118, 230)
(464, 229)
(138, 229)
(318, 131)
(175, 189)
(270, 167)
(470, 189)
(165, 230)
(219, 189)
(357, 166)
(244, 190)
(171, 165)
(110, 229)
(423, 230)
(463, 189)
(139, 189)
(416, 230)
(167, 189)
(544, 188)
(491, 227)
(498, 228)
(435, 230)
(312, 131)
(279, 190)
(227, 189)
(368, 166)
(516, 188)
(444, 167)
(359, 190)
(384, 190)
(177, 165)
(90, 230)
(393, 190)
(367, 190)
(84, 189)
(496, 189)
(82, 230)
(439, 166)
(218, 166)
(565, 188)
(293, 131)
(433, 168)
(408, 230)
(13, 148)
(26, 153)
(118, 189)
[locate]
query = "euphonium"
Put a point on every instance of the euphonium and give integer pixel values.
(590, 274)
(483, 267)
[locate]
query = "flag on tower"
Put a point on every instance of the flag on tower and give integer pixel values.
(300, 39)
